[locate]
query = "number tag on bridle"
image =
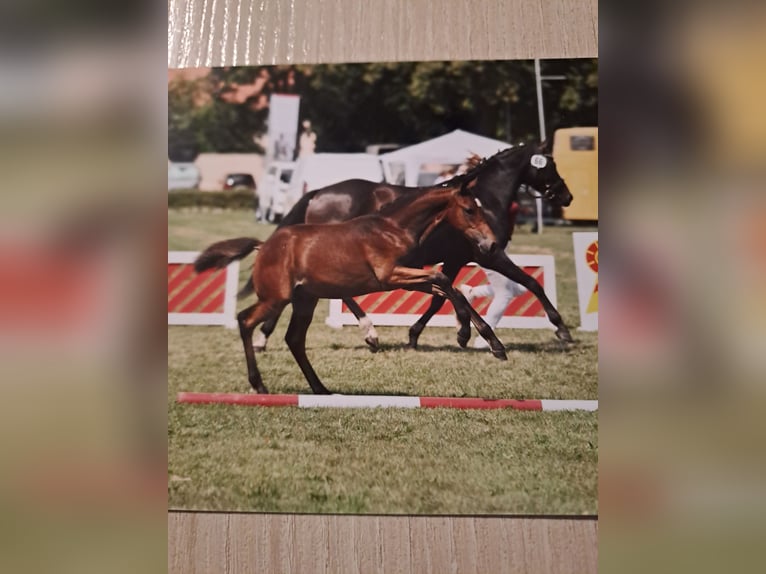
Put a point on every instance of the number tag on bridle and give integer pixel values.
(539, 161)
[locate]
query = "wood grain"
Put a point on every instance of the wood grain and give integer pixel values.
(256, 32)
(250, 32)
(211, 542)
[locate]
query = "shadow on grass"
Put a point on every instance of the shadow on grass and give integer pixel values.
(550, 347)
(299, 390)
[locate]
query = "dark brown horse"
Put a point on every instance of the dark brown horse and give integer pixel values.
(300, 264)
(495, 182)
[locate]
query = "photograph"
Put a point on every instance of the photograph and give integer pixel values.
(383, 288)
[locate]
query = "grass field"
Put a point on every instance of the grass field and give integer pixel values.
(384, 460)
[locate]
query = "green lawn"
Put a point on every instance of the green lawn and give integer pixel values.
(384, 460)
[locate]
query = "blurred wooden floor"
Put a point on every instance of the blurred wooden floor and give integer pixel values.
(227, 32)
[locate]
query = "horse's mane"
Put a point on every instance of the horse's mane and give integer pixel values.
(407, 198)
(478, 164)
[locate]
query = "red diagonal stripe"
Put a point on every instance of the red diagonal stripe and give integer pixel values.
(536, 272)
(217, 282)
(534, 310)
(388, 301)
(372, 301)
(172, 269)
(178, 278)
(215, 305)
(423, 307)
(360, 301)
(517, 303)
(404, 302)
(413, 298)
(186, 291)
(481, 304)
(469, 275)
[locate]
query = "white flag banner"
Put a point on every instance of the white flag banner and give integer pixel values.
(283, 126)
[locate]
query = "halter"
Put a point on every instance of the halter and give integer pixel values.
(474, 172)
(548, 194)
(550, 188)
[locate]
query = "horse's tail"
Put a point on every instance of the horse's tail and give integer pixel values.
(220, 254)
(247, 288)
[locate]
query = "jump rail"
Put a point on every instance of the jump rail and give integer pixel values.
(384, 401)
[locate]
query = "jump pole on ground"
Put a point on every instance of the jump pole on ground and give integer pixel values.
(384, 401)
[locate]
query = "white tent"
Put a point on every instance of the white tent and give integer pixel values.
(451, 148)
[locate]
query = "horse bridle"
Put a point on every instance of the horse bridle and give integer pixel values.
(550, 188)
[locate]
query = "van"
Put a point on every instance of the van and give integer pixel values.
(323, 169)
(575, 151)
(183, 175)
(273, 190)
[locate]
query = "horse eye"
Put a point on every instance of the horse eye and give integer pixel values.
(469, 210)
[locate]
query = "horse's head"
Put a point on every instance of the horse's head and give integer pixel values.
(541, 175)
(465, 214)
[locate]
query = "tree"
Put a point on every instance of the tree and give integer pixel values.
(183, 144)
(574, 101)
(354, 105)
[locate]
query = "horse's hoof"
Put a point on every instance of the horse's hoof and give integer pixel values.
(462, 340)
(414, 334)
(500, 354)
(259, 349)
(373, 343)
(564, 335)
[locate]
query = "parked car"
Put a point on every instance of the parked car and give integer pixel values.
(183, 175)
(323, 169)
(239, 181)
(273, 191)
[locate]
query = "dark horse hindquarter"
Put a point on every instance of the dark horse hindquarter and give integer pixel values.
(347, 200)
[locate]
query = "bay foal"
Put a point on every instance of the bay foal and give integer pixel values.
(301, 264)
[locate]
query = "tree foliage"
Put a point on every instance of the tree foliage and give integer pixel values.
(354, 105)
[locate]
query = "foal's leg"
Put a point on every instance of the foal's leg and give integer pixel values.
(431, 281)
(259, 345)
(500, 263)
(365, 324)
(451, 270)
(370, 334)
(303, 313)
(248, 319)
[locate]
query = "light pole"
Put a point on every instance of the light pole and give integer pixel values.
(541, 118)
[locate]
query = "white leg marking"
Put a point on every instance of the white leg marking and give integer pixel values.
(260, 340)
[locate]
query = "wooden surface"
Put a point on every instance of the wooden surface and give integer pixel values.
(226, 32)
(249, 32)
(209, 542)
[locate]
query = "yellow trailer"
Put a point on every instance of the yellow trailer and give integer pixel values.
(575, 151)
